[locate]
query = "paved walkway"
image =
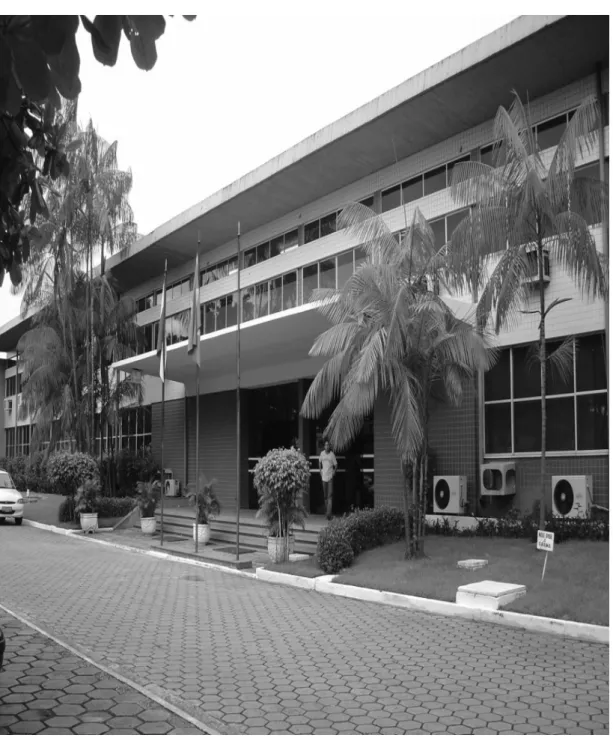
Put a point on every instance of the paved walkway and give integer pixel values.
(48, 690)
(264, 658)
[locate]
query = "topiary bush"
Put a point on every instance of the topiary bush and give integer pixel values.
(115, 506)
(68, 471)
(342, 540)
(280, 478)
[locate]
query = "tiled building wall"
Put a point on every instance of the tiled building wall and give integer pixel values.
(218, 444)
(174, 430)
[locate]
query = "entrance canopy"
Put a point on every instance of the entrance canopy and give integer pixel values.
(273, 349)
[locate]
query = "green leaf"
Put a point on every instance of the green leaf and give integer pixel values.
(51, 31)
(143, 52)
(149, 26)
(65, 70)
(10, 96)
(30, 65)
(106, 36)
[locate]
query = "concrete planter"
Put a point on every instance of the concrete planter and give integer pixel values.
(279, 549)
(204, 534)
(89, 522)
(147, 525)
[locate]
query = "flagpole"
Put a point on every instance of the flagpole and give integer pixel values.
(162, 338)
(197, 324)
(238, 389)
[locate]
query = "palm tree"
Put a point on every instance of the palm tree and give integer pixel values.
(521, 207)
(392, 335)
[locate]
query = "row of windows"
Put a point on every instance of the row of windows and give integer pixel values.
(576, 404)
(11, 385)
(548, 133)
(133, 431)
(17, 441)
(419, 186)
(268, 297)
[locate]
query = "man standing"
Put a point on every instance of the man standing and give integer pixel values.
(327, 468)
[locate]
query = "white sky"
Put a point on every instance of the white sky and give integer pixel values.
(234, 88)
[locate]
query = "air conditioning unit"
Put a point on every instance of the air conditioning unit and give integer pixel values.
(571, 496)
(449, 494)
(171, 488)
(8, 405)
(497, 478)
(532, 255)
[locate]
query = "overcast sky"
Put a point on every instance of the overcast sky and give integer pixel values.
(234, 88)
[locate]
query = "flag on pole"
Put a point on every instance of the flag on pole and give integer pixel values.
(195, 326)
(161, 348)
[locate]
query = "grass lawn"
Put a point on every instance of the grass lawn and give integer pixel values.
(576, 585)
(307, 567)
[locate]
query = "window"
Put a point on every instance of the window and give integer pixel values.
(320, 228)
(451, 165)
(550, 132)
(290, 296)
(412, 189)
(249, 259)
(327, 273)
(435, 180)
(18, 441)
(581, 205)
(261, 300)
(309, 282)
(577, 416)
(390, 199)
(145, 303)
(369, 202)
(344, 267)
(176, 327)
(272, 248)
(10, 385)
(134, 429)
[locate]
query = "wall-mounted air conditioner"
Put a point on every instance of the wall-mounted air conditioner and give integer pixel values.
(449, 494)
(533, 263)
(497, 478)
(571, 496)
(8, 405)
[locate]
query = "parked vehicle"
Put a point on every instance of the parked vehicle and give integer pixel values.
(11, 500)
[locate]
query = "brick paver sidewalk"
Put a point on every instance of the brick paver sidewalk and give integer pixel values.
(48, 690)
(265, 658)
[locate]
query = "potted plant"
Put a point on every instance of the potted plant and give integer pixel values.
(86, 505)
(281, 478)
(207, 505)
(148, 497)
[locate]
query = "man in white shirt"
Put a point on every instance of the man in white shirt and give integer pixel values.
(327, 468)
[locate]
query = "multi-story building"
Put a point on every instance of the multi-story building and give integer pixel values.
(394, 154)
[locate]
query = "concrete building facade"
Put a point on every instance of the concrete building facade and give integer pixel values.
(393, 154)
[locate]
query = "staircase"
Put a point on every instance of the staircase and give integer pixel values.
(223, 530)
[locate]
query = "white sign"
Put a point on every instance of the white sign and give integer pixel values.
(544, 540)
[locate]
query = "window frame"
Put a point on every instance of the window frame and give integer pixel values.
(512, 400)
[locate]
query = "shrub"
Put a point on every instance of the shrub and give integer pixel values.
(148, 497)
(333, 549)
(87, 498)
(204, 497)
(68, 471)
(280, 477)
(359, 531)
(37, 478)
(66, 510)
(16, 468)
(129, 469)
(115, 506)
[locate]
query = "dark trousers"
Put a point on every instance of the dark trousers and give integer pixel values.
(328, 487)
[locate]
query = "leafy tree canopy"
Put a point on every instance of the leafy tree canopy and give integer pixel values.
(39, 65)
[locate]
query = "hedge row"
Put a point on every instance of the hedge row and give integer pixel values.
(564, 528)
(105, 507)
(63, 473)
(343, 539)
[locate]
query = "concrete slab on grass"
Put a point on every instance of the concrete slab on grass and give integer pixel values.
(488, 595)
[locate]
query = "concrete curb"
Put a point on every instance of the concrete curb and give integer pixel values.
(290, 580)
(326, 585)
(535, 623)
(76, 534)
(165, 698)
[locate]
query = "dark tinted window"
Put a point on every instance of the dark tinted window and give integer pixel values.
(276, 295)
(345, 267)
(590, 363)
(497, 381)
(291, 239)
(263, 252)
(231, 310)
(311, 231)
(412, 189)
(454, 220)
(390, 199)
(487, 155)
(451, 165)
(249, 258)
(328, 224)
(261, 300)
(498, 428)
(526, 373)
(370, 202)
(550, 132)
(327, 274)
(276, 246)
(309, 282)
(289, 291)
(435, 180)
(592, 422)
(438, 227)
(527, 426)
(560, 424)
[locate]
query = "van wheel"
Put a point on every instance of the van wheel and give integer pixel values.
(18, 520)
